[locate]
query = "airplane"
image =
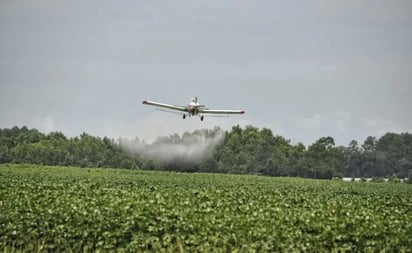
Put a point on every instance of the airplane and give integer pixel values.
(192, 109)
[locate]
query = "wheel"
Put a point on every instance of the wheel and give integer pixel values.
(201, 118)
(184, 116)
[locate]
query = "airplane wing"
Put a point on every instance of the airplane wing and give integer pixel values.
(207, 111)
(168, 106)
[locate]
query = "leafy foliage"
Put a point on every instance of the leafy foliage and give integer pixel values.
(30, 146)
(72, 209)
(246, 150)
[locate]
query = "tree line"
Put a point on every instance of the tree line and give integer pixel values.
(247, 150)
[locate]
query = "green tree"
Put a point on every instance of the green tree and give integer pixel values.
(354, 156)
(323, 159)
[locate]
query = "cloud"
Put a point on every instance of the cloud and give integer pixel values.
(343, 119)
(336, 124)
(311, 122)
(44, 123)
(380, 126)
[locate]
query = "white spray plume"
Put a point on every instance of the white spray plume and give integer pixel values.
(189, 148)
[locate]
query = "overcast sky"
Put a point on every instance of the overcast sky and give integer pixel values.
(304, 69)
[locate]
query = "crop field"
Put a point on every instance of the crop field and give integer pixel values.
(82, 210)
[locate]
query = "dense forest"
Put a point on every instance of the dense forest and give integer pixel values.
(248, 150)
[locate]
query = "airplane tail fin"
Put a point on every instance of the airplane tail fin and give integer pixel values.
(194, 100)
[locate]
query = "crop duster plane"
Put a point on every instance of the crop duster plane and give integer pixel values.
(193, 109)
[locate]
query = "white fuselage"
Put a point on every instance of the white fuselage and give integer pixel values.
(193, 107)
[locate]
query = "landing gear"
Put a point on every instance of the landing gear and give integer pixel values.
(184, 116)
(201, 118)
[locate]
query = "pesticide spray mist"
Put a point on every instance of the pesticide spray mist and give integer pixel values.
(190, 148)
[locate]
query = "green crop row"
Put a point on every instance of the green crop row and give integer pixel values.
(73, 209)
